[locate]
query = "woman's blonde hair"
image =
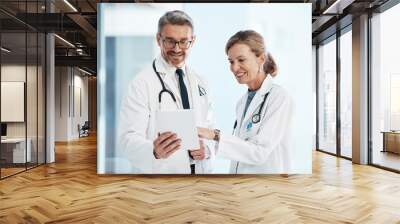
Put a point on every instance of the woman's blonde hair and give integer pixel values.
(256, 44)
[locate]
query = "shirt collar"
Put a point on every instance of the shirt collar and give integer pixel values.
(165, 67)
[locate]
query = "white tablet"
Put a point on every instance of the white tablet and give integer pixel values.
(181, 122)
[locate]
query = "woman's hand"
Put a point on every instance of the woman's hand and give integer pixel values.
(205, 133)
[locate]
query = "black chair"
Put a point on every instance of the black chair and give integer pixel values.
(84, 130)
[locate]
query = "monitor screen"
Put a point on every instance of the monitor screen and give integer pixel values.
(3, 129)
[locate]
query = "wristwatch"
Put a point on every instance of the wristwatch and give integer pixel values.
(216, 135)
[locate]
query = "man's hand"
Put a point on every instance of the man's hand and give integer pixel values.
(165, 145)
(199, 154)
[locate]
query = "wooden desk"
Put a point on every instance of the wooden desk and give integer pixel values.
(13, 150)
(391, 141)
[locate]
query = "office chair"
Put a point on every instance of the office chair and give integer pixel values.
(84, 130)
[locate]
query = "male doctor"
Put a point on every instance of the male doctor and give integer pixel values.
(160, 153)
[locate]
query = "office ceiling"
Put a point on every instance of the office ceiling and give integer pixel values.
(77, 22)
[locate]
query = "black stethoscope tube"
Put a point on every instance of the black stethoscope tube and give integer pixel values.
(256, 117)
(164, 90)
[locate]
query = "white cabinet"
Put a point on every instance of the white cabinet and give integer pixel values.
(16, 147)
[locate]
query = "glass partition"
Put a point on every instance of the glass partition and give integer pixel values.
(327, 97)
(22, 77)
(346, 94)
(14, 154)
(385, 89)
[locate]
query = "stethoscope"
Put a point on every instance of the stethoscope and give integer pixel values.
(164, 90)
(256, 118)
(202, 91)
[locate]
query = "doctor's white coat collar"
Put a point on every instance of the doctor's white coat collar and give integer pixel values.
(266, 86)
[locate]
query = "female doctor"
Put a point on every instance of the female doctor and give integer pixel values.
(260, 140)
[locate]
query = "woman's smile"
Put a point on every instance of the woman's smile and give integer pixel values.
(240, 75)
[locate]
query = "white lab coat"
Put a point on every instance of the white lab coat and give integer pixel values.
(137, 121)
(263, 148)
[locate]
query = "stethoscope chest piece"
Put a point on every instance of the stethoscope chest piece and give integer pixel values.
(256, 118)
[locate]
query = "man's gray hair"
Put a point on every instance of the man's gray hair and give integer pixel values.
(175, 17)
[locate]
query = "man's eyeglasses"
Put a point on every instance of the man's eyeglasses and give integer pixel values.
(171, 43)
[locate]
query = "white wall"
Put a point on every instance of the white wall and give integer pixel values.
(80, 94)
(70, 84)
(12, 73)
(61, 103)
